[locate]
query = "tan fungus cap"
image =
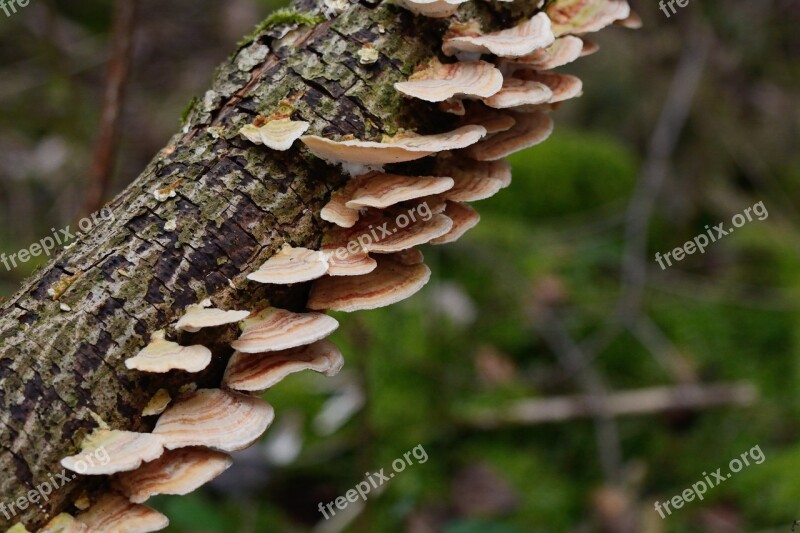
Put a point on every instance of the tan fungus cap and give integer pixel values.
(161, 356)
(276, 329)
(203, 315)
(176, 472)
(125, 450)
(529, 130)
(222, 420)
(291, 265)
(259, 372)
(390, 283)
(114, 513)
(436, 82)
(513, 42)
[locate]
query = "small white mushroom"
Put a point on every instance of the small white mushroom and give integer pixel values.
(109, 451)
(514, 42)
(291, 265)
(278, 134)
(278, 329)
(435, 82)
(222, 420)
(259, 372)
(203, 315)
(161, 356)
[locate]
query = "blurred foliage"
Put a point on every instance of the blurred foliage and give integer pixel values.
(416, 371)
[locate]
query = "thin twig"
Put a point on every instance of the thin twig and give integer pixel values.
(628, 403)
(105, 150)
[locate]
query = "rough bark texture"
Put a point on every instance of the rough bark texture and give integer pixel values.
(235, 205)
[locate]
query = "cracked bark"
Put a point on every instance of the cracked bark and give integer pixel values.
(234, 206)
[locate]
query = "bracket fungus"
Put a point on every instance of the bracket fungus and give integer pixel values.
(529, 130)
(493, 120)
(437, 82)
(203, 315)
(336, 210)
(278, 134)
(259, 372)
(382, 190)
(475, 180)
(464, 219)
(585, 16)
(222, 420)
(161, 356)
(344, 262)
(563, 86)
(291, 265)
(123, 451)
(514, 42)
(278, 329)
(517, 92)
(391, 282)
(407, 147)
(114, 513)
(176, 472)
(431, 8)
(563, 51)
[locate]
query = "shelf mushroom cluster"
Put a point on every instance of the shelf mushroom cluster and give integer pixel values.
(502, 86)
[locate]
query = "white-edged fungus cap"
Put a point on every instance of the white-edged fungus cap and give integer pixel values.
(161, 356)
(276, 329)
(125, 451)
(291, 265)
(381, 190)
(114, 513)
(259, 372)
(278, 134)
(436, 82)
(464, 219)
(633, 22)
(584, 16)
(203, 315)
(409, 257)
(62, 523)
(431, 8)
(390, 283)
(529, 130)
(514, 42)
(563, 86)
(563, 51)
(397, 150)
(176, 472)
(517, 92)
(222, 420)
(474, 180)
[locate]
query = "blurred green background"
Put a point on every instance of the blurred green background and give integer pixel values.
(510, 302)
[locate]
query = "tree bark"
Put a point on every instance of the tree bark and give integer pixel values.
(65, 335)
